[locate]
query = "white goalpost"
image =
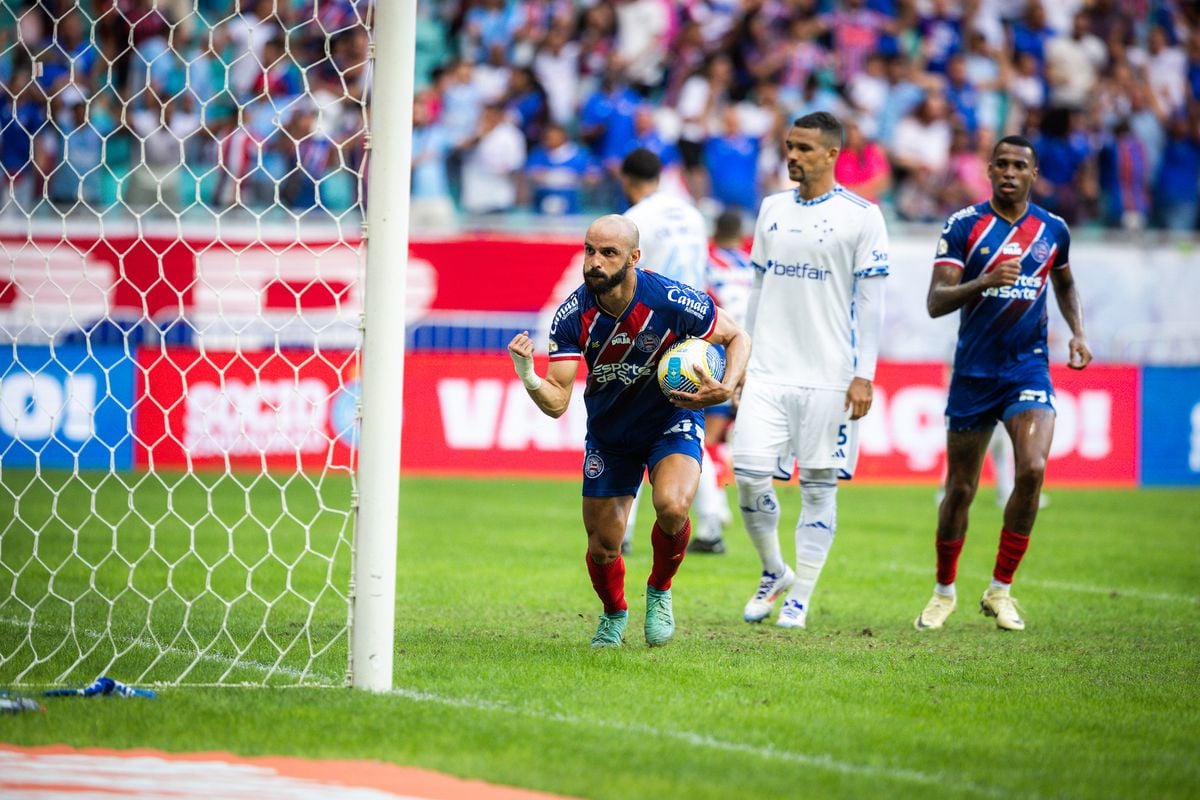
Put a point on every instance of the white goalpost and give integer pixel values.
(199, 400)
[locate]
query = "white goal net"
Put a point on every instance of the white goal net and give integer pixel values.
(181, 262)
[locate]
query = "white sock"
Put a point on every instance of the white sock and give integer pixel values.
(815, 530)
(760, 513)
(944, 589)
(708, 503)
(995, 584)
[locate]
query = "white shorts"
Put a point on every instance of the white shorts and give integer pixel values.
(775, 423)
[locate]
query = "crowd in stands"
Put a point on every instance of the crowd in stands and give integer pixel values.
(177, 106)
(530, 105)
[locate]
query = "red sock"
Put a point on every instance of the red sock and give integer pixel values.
(609, 582)
(947, 559)
(668, 553)
(1012, 549)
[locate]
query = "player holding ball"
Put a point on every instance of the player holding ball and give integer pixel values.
(620, 322)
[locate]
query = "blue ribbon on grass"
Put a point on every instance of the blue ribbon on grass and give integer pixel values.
(103, 687)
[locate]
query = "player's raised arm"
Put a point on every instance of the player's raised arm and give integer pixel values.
(553, 394)
(1079, 355)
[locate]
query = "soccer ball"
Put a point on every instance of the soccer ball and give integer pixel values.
(677, 370)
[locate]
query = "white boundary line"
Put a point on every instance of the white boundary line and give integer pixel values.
(769, 753)
(1064, 586)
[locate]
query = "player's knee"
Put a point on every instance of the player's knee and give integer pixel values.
(1030, 475)
(817, 486)
(960, 492)
(755, 492)
(601, 553)
(671, 517)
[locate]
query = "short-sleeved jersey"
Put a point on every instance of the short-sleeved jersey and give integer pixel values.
(811, 255)
(626, 409)
(673, 238)
(1004, 329)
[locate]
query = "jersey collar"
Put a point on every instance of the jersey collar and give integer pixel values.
(816, 200)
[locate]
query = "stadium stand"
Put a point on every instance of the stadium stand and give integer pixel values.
(265, 98)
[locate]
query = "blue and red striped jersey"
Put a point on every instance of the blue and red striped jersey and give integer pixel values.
(1004, 329)
(625, 407)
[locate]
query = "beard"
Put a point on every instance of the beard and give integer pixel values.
(599, 284)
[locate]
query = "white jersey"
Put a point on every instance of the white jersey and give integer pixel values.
(673, 238)
(809, 255)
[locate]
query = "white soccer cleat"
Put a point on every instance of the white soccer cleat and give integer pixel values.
(999, 603)
(770, 587)
(792, 615)
(937, 611)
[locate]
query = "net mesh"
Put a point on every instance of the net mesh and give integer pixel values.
(181, 267)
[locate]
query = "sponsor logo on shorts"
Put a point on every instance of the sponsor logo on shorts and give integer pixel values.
(1036, 396)
(593, 465)
(647, 341)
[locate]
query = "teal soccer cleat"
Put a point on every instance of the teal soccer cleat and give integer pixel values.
(660, 622)
(611, 629)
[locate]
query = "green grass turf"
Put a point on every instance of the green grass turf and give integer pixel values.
(494, 678)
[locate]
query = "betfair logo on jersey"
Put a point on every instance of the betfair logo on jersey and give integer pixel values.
(693, 303)
(1027, 287)
(627, 374)
(805, 271)
(622, 338)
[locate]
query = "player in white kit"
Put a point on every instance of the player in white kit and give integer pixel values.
(820, 254)
(674, 243)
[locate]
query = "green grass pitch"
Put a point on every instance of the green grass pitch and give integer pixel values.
(495, 680)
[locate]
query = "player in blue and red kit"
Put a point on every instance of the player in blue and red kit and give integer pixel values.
(994, 262)
(620, 322)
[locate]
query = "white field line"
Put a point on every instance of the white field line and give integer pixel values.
(125, 643)
(769, 753)
(939, 780)
(1062, 586)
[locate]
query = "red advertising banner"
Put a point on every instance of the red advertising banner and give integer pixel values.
(279, 410)
(470, 414)
(499, 273)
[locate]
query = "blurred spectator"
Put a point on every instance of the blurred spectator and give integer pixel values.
(1062, 155)
(963, 95)
(556, 67)
(941, 35)
(1124, 176)
(488, 24)
(1031, 33)
(642, 41)
(989, 71)
(703, 97)
(432, 204)
(1166, 69)
(904, 93)
(862, 166)
(557, 170)
(966, 175)
(1072, 64)
(855, 29)
(1177, 183)
(921, 153)
(731, 158)
(525, 100)
(490, 163)
(491, 76)
(868, 93)
(22, 119)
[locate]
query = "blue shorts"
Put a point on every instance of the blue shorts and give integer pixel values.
(617, 473)
(977, 404)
